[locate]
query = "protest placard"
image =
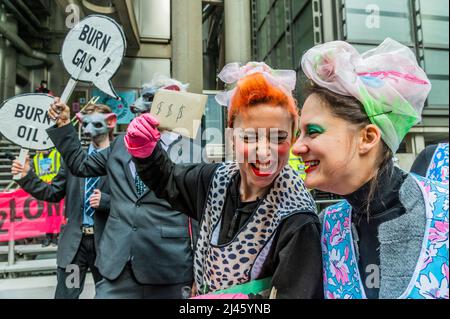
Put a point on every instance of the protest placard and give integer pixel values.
(24, 121)
(179, 112)
(92, 52)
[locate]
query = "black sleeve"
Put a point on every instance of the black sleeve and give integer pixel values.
(77, 160)
(422, 162)
(298, 259)
(50, 192)
(183, 186)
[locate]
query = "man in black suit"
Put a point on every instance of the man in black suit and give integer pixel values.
(146, 249)
(87, 206)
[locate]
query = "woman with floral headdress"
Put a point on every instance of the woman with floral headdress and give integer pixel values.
(389, 237)
(259, 231)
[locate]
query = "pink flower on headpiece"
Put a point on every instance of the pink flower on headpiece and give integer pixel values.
(325, 68)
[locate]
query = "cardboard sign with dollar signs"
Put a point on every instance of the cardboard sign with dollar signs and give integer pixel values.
(179, 112)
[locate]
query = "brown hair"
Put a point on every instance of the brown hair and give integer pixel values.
(99, 108)
(351, 110)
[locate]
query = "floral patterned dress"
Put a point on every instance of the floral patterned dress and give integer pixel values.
(431, 277)
(438, 169)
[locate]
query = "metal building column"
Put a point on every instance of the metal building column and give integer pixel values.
(254, 35)
(288, 22)
(329, 20)
(415, 143)
(418, 33)
(187, 45)
(10, 67)
(2, 58)
(317, 21)
(238, 39)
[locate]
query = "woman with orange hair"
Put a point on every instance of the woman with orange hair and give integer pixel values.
(259, 232)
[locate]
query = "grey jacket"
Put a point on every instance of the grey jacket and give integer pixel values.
(141, 230)
(67, 186)
(401, 242)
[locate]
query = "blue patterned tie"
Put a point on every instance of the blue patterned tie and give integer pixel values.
(140, 186)
(91, 185)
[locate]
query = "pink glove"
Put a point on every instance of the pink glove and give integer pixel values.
(222, 296)
(142, 136)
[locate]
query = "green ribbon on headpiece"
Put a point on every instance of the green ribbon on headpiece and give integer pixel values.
(394, 119)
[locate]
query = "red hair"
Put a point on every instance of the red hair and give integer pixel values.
(255, 89)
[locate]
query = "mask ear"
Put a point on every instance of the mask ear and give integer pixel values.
(79, 117)
(172, 88)
(111, 120)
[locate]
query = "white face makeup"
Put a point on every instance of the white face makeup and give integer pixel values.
(263, 139)
(264, 143)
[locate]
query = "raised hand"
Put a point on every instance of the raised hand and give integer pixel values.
(18, 168)
(142, 136)
(59, 112)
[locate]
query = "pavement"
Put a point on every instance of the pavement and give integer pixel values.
(42, 287)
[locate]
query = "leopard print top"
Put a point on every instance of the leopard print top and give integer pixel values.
(219, 267)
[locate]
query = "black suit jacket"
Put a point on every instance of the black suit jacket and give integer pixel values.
(65, 185)
(423, 160)
(143, 230)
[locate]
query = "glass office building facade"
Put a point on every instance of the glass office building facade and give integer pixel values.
(422, 25)
(282, 30)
